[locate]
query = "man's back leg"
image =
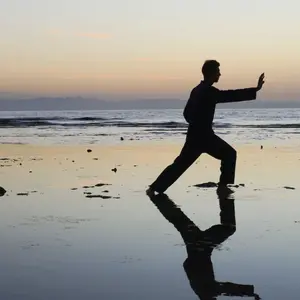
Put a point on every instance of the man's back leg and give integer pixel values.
(189, 153)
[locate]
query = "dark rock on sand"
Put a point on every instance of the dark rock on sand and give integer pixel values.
(74, 189)
(23, 194)
(2, 191)
(98, 196)
(206, 185)
(101, 184)
(237, 185)
(122, 139)
(261, 147)
(96, 185)
(114, 170)
(87, 193)
(89, 150)
(105, 191)
(211, 184)
(95, 158)
(289, 187)
(88, 186)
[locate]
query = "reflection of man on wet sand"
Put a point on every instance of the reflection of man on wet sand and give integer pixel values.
(200, 244)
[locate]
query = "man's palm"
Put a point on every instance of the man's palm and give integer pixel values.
(260, 81)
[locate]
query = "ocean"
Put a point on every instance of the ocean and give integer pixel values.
(246, 126)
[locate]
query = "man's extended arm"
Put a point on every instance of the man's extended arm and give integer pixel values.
(240, 94)
(236, 95)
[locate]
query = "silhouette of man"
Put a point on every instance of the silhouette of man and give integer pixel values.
(200, 245)
(199, 113)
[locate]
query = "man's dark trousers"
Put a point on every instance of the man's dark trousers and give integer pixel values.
(197, 143)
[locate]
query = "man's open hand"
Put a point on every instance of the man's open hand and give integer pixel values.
(260, 82)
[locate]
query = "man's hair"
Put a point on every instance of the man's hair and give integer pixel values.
(209, 67)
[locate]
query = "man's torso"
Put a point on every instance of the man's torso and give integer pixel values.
(200, 108)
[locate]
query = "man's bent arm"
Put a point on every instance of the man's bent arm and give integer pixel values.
(236, 95)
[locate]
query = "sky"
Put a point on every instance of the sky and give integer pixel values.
(147, 49)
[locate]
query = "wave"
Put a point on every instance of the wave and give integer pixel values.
(118, 122)
(53, 121)
(285, 125)
(93, 119)
(83, 122)
(23, 123)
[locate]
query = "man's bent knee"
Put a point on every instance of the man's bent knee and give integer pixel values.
(233, 154)
(229, 155)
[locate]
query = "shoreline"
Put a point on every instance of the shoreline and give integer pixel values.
(123, 145)
(143, 162)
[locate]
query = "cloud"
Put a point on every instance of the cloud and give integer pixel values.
(93, 35)
(144, 59)
(55, 32)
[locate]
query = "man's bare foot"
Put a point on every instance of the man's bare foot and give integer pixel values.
(224, 190)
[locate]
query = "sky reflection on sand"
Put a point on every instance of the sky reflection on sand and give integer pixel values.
(67, 246)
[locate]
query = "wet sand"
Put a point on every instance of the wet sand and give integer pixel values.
(65, 238)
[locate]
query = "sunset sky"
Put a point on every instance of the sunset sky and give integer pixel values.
(141, 49)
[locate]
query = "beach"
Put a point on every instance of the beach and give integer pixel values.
(97, 99)
(76, 222)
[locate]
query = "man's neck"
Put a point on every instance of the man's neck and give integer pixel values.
(207, 82)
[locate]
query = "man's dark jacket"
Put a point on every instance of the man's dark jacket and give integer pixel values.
(200, 108)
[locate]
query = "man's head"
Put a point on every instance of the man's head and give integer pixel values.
(211, 71)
